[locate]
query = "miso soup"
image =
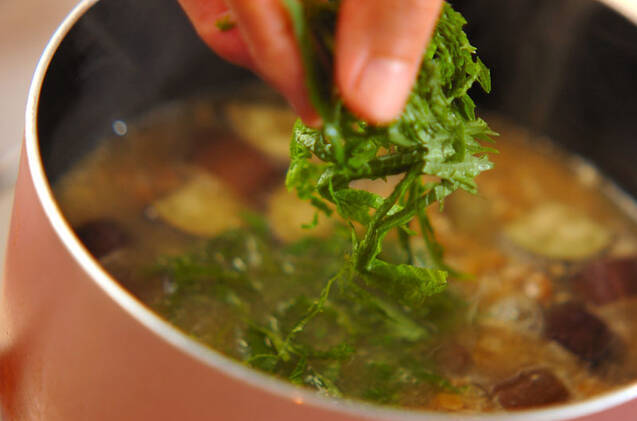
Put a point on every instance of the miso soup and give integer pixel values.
(187, 209)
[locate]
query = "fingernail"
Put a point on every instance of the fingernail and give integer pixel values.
(312, 120)
(382, 89)
(300, 100)
(304, 109)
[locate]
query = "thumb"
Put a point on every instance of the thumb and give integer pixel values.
(379, 47)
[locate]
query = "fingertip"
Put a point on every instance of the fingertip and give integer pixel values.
(312, 120)
(267, 29)
(302, 106)
(378, 94)
(379, 47)
(230, 46)
(213, 22)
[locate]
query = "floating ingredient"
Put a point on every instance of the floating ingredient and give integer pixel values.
(530, 389)
(265, 127)
(203, 206)
(559, 232)
(607, 280)
(288, 215)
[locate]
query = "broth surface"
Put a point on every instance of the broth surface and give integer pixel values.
(188, 211)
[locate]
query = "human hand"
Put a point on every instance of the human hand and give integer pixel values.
(379, 46)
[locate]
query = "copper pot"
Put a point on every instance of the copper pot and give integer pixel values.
(75, 345)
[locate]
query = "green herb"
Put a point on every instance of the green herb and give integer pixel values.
(225, 23)
(438, 135)
(261, 312)
(367, 332)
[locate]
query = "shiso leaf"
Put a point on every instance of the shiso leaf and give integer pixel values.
(367, 299)
(438, 134)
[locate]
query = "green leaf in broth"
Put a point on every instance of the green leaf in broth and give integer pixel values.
(435, 135)
(366, 299)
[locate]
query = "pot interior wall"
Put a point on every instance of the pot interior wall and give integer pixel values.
(562, 68)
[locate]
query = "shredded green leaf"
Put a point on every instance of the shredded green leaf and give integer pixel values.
(275, 312)
(438, 134)
(375, 315)
(225, 23)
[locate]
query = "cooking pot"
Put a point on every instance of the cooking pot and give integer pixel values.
(75, 345)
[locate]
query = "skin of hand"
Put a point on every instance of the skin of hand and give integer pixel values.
(379, 46)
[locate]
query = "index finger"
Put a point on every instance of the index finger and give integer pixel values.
(229, 44)
(267, 29)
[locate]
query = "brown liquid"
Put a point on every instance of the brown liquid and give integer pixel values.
(502, 328)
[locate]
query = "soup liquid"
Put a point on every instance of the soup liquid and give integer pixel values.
(212, 241)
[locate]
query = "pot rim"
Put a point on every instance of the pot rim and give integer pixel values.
(216, 360)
